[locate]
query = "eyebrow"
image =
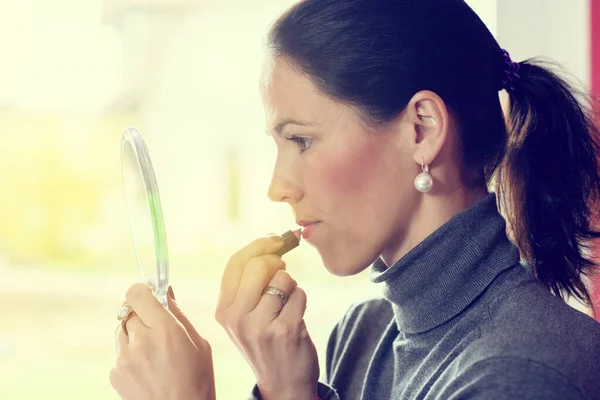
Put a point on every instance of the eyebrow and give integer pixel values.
(279, 127)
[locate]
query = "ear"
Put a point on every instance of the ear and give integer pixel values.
(428, 119)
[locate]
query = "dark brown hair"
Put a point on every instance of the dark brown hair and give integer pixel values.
(376, 54)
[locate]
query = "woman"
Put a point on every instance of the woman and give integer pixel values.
(390, 133)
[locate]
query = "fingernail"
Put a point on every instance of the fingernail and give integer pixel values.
(276, 238)
(170, 292)
(290, 241)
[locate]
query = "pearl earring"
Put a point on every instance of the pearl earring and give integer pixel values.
(424, 181)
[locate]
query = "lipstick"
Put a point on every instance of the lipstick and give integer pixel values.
(291, 240)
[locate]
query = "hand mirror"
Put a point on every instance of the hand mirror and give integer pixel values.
(145, 213)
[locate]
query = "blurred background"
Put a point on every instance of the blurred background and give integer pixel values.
(73, 75)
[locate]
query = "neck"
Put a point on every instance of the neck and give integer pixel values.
(430, 214)
(450, 269)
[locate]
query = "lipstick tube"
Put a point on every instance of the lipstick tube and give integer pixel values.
(290, 241)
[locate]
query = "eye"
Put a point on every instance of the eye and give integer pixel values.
(303, 143)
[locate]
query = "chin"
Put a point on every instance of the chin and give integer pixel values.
(344, 267)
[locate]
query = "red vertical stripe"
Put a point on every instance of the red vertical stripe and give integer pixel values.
(595, 84)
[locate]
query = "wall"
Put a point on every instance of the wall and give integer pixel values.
(557, 29)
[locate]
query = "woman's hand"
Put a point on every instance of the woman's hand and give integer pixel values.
(160, 354)
(271, 335)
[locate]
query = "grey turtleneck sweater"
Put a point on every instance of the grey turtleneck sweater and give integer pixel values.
(461, 318)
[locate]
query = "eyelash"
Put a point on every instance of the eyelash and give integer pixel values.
(300, 140)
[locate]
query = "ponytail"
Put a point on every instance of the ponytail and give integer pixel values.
(375, 57)
(549, 181)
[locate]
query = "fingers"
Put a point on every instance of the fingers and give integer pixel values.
(270, 306)
(237, 263)
(295, 307)
(131, 331)
(181, 317)
(258, 272)
(134, 329)
(121, 339)
(147, 306)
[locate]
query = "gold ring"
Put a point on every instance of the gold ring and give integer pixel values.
(125, 314)
(276, 292)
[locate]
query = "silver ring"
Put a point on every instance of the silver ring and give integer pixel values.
(276, 292)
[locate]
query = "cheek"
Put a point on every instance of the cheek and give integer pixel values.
(351, 171)
(351, 182)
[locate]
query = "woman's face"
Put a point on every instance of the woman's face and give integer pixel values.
(355, 182)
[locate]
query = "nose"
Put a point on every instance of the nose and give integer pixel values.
(284, 185)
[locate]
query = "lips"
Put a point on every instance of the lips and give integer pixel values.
(307, 229)
(304, 222)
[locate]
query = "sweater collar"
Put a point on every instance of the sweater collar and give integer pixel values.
(447, 271)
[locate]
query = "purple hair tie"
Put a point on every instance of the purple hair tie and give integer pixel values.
(511, 72)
